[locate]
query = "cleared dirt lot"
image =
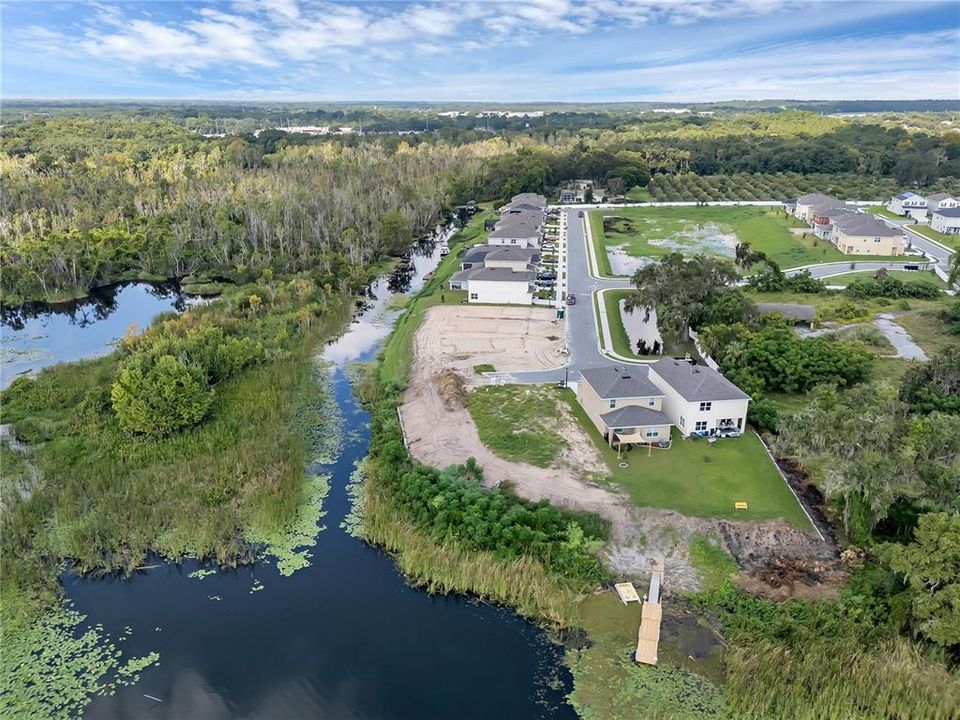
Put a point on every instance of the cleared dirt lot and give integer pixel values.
(457, 337)
(440, 432)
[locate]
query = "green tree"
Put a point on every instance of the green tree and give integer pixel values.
(680, 290)
(931, 567)
(395, 232)
(159, 397)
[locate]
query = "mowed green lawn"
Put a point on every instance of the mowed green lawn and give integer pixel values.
(951, 241)
(695, 477)
(766, 229)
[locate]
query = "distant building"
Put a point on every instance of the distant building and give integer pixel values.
(909, 204)
(946, 221)
(496, 285)
(863, 234)
(941, 201)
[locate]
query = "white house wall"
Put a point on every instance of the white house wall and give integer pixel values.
(675, 407)
(499, 292)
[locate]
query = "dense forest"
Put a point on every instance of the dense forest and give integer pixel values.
(89, 199)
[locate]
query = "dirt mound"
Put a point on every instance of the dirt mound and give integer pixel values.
(452, 389)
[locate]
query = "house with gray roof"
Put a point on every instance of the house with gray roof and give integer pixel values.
(865, 234)
(908, 204)
(941, 201)
(498, 274)
(520, 233)
(623, 404)
(698, 399)
(640, 403)
(508, 256)
(946, 220)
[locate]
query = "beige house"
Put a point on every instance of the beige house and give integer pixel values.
(623, 404)
(863, 234)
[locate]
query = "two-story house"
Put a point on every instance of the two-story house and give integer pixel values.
(623, 404)
(698, 399)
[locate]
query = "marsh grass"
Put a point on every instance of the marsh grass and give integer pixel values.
(829, 678)
(447, 566)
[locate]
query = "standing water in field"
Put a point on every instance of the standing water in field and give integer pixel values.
(343, 637)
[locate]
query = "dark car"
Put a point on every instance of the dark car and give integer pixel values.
(571, 299)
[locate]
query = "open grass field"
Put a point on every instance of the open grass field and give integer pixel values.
(695, 477)
(657, 231)
(517, 422)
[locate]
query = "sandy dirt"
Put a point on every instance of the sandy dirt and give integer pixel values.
(440, 432)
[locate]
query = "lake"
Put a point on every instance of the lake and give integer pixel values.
(345, 637)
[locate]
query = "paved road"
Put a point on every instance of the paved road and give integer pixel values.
(582, 330)
(936, 257)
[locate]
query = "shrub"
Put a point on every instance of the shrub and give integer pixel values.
(158, 397)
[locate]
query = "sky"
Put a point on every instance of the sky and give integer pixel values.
(481, 50)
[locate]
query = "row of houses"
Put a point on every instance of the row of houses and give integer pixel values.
(846, 226)
(640, 404)
(940, 209)
(505, 269)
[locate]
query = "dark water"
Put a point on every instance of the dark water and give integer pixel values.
(36, 335)
(343, 638)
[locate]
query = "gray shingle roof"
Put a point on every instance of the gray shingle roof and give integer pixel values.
(485, 253)
(948, 212)
(811, 198)
(697, 383)
(789, 310)
(512, 253)
(863, 224)
(530, 198)
(937, 197)
(631, 416)
(516, 230)
(494, 274)
(620, 382)
(907, 195)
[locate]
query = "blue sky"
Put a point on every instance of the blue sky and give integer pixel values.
(476, 50)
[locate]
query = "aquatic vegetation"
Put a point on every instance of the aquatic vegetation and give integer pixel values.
(289, 542)
(201, 573)
(257, 586)
(318, 416)
(352, 522)
(52, 665)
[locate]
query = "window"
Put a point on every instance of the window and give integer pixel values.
(651, 402)
(474, 296)
(619, 431)
(513, 241)
(682, 421)
(876, 239)
(651, 433)
(705, 406)
(613, 403)
(701, 426)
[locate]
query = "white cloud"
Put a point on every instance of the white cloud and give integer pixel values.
(525, 50)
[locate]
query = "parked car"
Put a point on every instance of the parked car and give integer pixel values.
(444, 251)
(571, 299)
(580, 213)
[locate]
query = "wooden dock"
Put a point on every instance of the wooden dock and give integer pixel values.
(651, 613)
